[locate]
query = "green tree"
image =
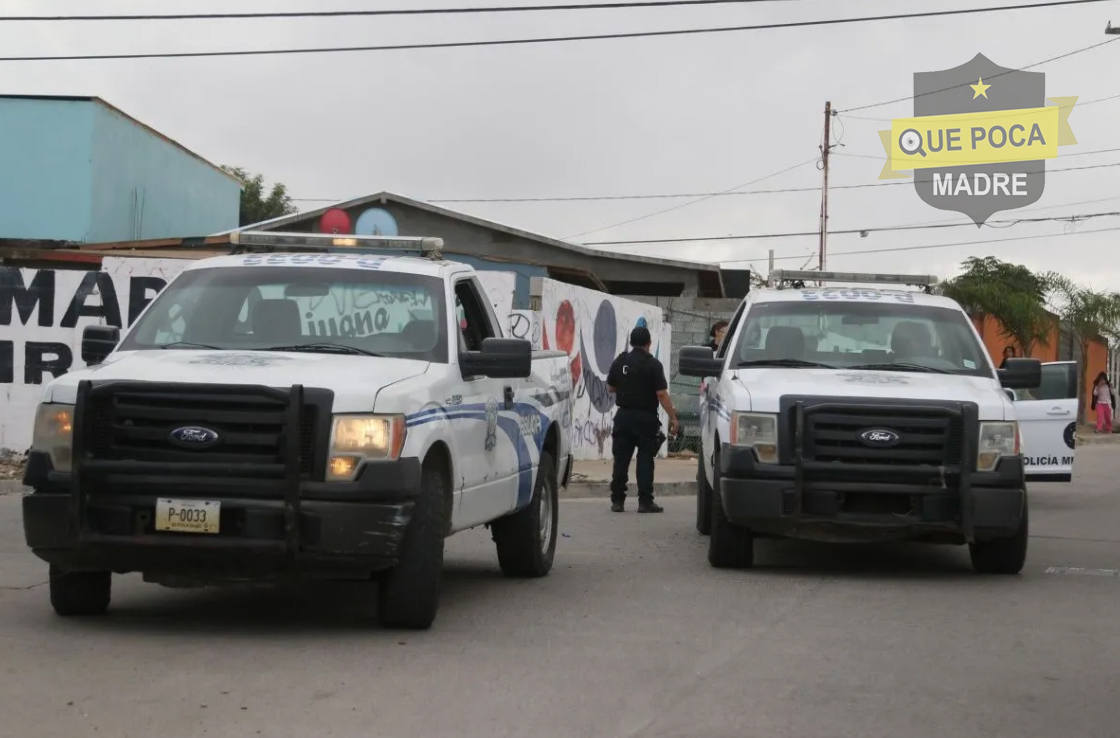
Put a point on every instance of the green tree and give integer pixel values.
(1088, 315)
(1010, 293)
(255, 205)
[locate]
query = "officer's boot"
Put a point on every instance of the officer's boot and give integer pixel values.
(618, 501)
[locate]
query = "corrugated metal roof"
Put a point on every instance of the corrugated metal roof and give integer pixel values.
(482, 223)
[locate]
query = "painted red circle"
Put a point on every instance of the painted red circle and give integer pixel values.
(335, 220)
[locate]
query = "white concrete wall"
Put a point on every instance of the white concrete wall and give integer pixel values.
(593, 328)
(53, 306)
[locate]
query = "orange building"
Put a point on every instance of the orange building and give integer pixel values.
(1059, 347)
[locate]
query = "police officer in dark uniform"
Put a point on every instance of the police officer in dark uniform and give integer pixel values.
(638, 381)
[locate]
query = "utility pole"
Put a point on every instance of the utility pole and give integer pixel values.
(824, 189)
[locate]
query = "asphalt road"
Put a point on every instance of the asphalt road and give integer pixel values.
(631, 635)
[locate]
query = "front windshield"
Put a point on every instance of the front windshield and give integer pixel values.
(881, 331)
(291, 308)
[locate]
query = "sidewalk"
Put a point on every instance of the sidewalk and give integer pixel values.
(1087, 436)
(673, 476)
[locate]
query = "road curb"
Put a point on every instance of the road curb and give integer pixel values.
(11, 487)
(602, 490)
(1101, 440)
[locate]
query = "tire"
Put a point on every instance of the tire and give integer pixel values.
(703, 498)
(526, 540)
(729, 546)
(408, 595)
(80, 593)
(1002, 555)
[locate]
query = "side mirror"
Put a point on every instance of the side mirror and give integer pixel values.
(98, 341)
(500, 358)
(1020, 374)
(699, 361)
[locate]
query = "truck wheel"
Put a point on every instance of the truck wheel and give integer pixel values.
(409, 592)
(729, 546)
(703, 498)
(79, 593)
(526, 540)
(1002, 555)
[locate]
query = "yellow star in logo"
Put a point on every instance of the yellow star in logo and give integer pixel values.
(979, 88)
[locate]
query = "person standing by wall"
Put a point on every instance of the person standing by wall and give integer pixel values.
(1008, 353)
(1103, 403)
(637, 380)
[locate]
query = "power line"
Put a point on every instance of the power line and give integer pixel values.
(882, 157)
(994, 76)
(953, 221)
(676, 195)
(547, 39)
(888, 120)
(910, 227)
(693, 202)
(395, 11)
(896, 249)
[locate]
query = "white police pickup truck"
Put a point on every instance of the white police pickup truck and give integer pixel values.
(868, 414)
(300, 411)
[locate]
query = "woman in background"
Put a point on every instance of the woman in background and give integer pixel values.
(1103, 403)
(716, 335)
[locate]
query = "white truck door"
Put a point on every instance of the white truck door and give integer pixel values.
(712, 400)
(486, 440)
(1047, 421)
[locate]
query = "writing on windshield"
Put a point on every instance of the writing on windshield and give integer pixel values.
(357, 311)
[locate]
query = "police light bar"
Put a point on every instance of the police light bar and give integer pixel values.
(792, 275)
(321, 241)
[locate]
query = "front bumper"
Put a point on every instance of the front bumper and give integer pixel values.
(834, 502)
(106, 522)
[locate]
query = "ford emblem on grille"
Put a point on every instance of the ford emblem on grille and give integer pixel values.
(194, 436)
(880, 438)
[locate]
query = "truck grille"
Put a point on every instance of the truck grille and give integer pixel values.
(925, 438)
(136, 424)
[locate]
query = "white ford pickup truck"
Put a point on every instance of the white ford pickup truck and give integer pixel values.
(871, 414)
(295, 410)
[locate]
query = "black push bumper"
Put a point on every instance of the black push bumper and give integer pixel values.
(807, 501)
(334, 530)
(277, 513)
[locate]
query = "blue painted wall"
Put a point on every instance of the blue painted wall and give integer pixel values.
(45, 169)
(147, 187)
(78, 170)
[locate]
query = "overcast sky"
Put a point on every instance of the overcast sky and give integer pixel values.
(644, 116)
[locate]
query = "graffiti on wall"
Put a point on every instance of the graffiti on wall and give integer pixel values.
(42, 315)
(593, 329)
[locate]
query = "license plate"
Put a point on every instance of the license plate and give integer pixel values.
(188, 516)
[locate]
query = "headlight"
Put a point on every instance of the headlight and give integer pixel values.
(996, 441)
(359, 438)
(758, 431)
(54, 434)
